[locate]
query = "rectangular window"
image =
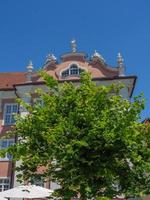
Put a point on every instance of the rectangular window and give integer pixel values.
(4, 184)
(9, 113)
(39, 102)
(4, 144)
(37, 181)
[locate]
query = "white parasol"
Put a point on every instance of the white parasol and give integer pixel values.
(2, 198)
(27, 191)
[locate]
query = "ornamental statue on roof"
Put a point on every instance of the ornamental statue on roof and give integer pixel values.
(98, 56)
(74, 46)
(121, 66)
(120, 60)
(30, 67)
(50, 58)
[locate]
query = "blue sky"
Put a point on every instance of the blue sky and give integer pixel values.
(30, 29)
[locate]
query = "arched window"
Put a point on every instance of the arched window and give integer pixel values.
(73, 70)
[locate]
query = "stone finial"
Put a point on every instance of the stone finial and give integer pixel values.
(29, 71)
(30, 67)
(74, 46)
(120, 60)
(98, 56)
(121, 66)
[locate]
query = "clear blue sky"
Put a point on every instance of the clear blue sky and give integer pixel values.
(30, 29)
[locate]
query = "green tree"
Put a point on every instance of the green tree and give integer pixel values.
(89, 138)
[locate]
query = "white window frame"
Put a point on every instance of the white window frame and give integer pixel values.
(7, 155)
(9, 114)
(3, 184)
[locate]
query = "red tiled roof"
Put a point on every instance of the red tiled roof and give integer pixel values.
(7, 80)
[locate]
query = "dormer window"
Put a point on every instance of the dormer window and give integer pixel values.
(72, 70)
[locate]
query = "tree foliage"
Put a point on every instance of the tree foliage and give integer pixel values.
(89, 138)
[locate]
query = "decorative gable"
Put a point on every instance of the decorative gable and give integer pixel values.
(73, 70)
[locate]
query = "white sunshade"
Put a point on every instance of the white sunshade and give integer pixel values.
(2, 198)
(27, 191)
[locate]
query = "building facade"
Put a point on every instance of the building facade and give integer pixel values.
(20, 84)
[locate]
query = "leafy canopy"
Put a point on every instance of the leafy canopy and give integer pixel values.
(89, 138)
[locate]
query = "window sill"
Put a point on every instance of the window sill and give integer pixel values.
(7, 125)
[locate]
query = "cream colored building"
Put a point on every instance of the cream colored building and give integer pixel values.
(19, 84)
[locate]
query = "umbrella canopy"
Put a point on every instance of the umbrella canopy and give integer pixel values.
(27, 191)
(2, 198)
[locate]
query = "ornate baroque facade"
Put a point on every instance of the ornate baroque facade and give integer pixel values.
(18, 84)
